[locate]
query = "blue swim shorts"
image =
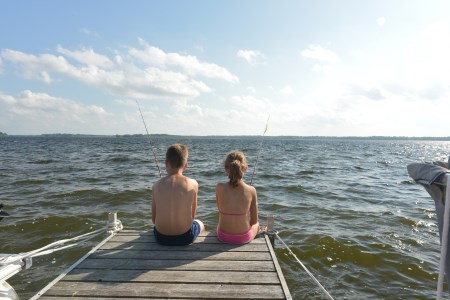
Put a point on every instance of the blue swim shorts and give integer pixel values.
(178, 240)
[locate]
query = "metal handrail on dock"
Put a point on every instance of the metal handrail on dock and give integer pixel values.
(11, 264)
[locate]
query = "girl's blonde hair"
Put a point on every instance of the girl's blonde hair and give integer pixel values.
(234, 164)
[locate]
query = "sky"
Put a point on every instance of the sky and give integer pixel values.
(304, 68)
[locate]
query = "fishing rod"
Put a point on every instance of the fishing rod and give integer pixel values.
(259, 151)
(149, 141)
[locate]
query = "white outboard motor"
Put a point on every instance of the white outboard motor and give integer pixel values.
(7, 292)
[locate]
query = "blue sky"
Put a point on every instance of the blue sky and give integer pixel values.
(332, 68)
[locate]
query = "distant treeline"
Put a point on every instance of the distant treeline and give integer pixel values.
(394, 138)
(382, 138)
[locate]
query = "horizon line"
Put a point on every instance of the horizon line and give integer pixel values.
(241, 135)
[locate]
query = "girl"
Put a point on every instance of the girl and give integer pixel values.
(237, 203)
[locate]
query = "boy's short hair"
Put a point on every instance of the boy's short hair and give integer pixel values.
(177, 156)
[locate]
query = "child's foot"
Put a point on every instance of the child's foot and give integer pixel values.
(262, 229)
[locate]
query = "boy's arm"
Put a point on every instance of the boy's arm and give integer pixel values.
(194, 201)
(153, 205)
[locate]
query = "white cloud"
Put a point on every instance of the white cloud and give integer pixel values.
(360, 110)
(41, 112)
(189, 64)
(87, 57)
(325, 69)
(1, 66)
(152, 82)
(389, 95)
(28, 103)
(251, 89)
(38, 67)
(235, 119)
(252, 104)
(372, 93)
(7, 99)
(253, 57)
(287, 90)
(161, 77)
(182, 108)
(426, 58)
(419, 68)
(118, 59)
(381, 20)
(317, 52)
(324, 59)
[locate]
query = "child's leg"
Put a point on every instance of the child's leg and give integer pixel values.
(258, 229)
(255, 229)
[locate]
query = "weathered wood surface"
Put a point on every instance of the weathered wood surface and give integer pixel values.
(133, 266)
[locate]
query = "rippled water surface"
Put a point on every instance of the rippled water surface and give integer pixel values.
(346, 208)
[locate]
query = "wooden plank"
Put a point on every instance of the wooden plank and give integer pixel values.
(169, 290)
(171, 255)
(149, 238)
(102, 298)
(193, 265)
(194, 247)
(229, 277)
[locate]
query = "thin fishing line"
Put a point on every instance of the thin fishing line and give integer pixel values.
(149, 141)
(259, 151)
(306, 269)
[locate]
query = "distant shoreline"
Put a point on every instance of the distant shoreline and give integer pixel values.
(406, 138)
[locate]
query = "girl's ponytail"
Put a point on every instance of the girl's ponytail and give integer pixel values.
(234, 164)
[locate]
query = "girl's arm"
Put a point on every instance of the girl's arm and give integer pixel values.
(254, 208)
(218, 192)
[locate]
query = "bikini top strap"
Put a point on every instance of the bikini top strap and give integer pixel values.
(234, 214)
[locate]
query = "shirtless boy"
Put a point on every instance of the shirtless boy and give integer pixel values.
(174, 202)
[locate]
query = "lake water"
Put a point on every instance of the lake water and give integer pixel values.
(346, 207)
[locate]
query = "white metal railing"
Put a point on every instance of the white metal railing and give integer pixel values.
(11, 264)
(444, 240)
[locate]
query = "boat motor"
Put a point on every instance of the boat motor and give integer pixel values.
(7, 292)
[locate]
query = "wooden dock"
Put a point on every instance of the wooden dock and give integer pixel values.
(132, 265)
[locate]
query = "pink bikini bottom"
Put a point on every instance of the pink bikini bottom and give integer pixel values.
(235, 238)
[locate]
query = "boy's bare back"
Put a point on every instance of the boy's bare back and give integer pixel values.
(174, 203)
